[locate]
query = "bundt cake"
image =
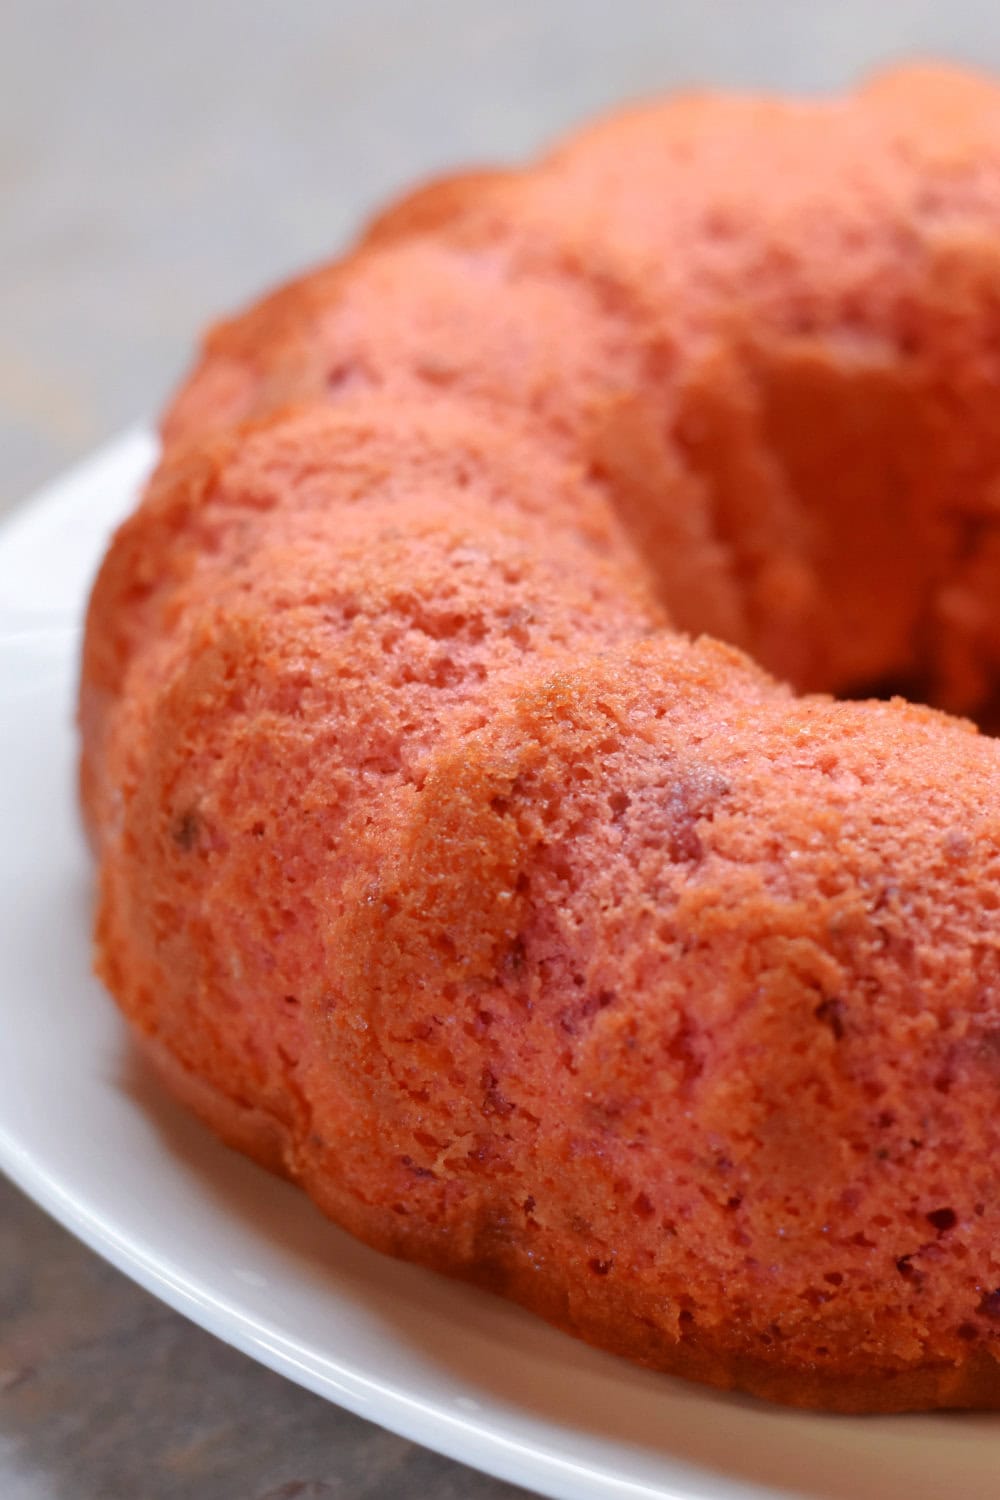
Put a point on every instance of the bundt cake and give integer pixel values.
(489, 835)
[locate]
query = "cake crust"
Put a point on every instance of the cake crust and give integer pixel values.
(495, 832)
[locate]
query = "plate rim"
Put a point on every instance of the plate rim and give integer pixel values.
(427, 1424)
(463, 1435)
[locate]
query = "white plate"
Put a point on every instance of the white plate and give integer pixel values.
(88, 1134)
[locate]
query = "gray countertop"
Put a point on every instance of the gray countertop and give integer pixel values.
(158, 165)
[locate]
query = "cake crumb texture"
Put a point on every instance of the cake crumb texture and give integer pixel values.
(509, 816)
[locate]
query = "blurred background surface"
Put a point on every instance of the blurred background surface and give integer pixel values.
(159, 165)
